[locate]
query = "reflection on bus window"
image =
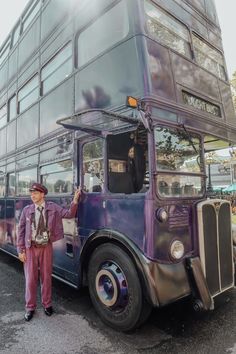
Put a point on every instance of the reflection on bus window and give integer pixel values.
(3, 116)
(30, 14)
(220, 163)
(5, 50)
(57, 69)
(58, 177)
(2, 185)
(11, 185)
(93, 173)
(110, 28)
(178, 159)
(12, 108)
(28, 94)
(167, 30)
(179, 185)
(209, 58)
(16, 34)
(176, 151)
(24, 179)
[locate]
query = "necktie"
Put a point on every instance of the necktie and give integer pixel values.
(41, 225)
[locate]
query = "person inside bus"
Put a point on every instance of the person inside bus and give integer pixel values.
(137, 166)
(40, 225)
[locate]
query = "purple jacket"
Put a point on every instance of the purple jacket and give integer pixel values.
(55, 215)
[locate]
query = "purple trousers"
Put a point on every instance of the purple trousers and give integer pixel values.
(38, 263)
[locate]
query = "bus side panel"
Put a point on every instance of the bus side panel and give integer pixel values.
(126, 215)
(2, 222)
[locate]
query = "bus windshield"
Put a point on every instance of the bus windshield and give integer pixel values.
(178, 162)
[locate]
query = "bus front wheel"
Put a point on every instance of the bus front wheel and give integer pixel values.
(115, 288)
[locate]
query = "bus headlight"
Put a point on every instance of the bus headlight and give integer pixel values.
(177, 249)
(161, 215)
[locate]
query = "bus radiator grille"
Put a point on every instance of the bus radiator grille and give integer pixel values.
(215, 244)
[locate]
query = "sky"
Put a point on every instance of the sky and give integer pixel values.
(11, 10)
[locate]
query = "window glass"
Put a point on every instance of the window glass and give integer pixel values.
(165, 29)
(4, 51)
(58, 177)
(110, 28)
(3, 116)
(57, 69)
(24, 180)
(211, 11)
(93, 173)
(178, 151)
(12, 108)
(50, 151)
(2, 185)
(27, 162)
(28, 94)
(169, 185)
(3, 141)
(209, 58)
(16, 35)
(30, 14)
(11, 136)
(11, 184)
(219, 156)
(199, 4)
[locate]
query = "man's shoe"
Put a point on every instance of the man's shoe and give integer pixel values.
(48, 311)
(29, 315)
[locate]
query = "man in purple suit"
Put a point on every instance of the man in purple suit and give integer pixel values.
(40, 225)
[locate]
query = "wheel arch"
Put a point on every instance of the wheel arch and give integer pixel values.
(107, 236)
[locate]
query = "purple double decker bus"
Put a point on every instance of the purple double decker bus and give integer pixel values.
(131, 100)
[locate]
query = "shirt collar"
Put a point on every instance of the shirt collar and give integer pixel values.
(42, 205)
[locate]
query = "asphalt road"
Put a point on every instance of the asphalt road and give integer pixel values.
(75, 327)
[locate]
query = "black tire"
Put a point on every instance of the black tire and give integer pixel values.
(145, 313)
(115, 288)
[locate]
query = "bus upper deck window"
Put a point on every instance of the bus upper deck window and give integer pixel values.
(167, 30)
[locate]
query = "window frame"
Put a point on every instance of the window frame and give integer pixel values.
(17, 173)
(28, 13)
(5, 50)
(55, 172)
(14, 32)
(173, 19)
(9, 119)
(35, 88)
(103, 163)
(4, 115)
(50, 61)
(3, 175)
(91, 23)
(13, 173)
(205, 53)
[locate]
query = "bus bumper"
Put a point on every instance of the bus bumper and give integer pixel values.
(167, 283)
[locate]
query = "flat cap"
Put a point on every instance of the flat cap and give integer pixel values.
(38, 187)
